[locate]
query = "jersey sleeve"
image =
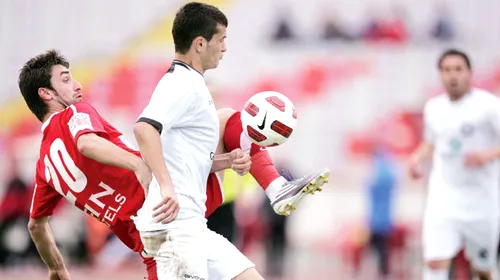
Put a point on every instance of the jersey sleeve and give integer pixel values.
(45, 199)
(170, 100)
(84, 119)
(429, 134)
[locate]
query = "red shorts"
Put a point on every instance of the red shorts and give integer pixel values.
(215, 195)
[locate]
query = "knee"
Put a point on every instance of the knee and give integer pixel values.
(224, 115)
(438, 264)
(249, 274)
(482, 274)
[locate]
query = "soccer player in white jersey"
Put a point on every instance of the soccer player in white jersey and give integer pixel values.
(178, 135)
(462, 133)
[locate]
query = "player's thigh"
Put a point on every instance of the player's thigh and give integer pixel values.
(481, 243)
(249, 274)
(224, 114)
(179, 253)
(226, 262)
(441, 239)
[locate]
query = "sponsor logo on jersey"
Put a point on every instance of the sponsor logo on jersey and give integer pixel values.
(467, 130)
(194, 277)
(483, 253)
(79, 122)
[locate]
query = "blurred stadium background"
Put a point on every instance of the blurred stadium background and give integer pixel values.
(358, 72)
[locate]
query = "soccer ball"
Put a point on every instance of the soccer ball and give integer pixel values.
(268, 118)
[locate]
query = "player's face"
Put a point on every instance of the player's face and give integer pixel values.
(455, 76)
(67, 91)
(215, 49)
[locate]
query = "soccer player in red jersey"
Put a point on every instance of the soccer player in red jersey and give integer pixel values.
(82, 158)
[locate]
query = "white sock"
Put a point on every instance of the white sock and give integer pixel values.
(274, 188)
(435, 274)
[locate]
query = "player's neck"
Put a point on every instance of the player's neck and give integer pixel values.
(456, 98)
(47, 116)
(193, 62)
(52, 110)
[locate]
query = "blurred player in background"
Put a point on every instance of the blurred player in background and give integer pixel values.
(178, 134)
(462, 133)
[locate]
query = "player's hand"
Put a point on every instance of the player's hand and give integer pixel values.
(240, 162)
(144, 175)
(476, 159)
(415, 169)
(166, 211)
(59, 274)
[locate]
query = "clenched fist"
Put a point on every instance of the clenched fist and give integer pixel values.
(240, 162)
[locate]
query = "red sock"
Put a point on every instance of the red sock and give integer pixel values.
(150, 268)
(262, 169)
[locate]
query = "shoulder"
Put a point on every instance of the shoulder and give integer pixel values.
(175, 78)
(78, 116)
(176, 86)
(181, 75)
(170, 86)
(485, 97)
(435, 103)
(79, 111)
(485, 101)
(81, 107)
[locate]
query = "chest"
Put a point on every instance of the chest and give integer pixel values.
(465, 121)
(203, 113)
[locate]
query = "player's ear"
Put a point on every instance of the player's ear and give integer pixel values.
(200, 44)
(44, 94)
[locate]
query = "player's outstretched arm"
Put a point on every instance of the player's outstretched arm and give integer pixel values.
(479, 158)
(237, 160)
(221, 162)
(99, 149)
(148, 139)
(150, 146)
(421, 154)
(44, 240)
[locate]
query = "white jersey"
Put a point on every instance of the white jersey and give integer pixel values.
(471, 124)
(182, 109)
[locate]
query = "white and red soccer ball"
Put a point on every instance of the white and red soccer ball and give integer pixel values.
(268, 118)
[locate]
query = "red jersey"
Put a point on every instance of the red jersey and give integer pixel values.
(110, 194)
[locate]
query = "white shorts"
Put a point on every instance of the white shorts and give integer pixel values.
(198, 254)
(444, 238)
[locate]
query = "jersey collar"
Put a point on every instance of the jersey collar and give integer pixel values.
(47, 122)
(463, 98)
(182, 63)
